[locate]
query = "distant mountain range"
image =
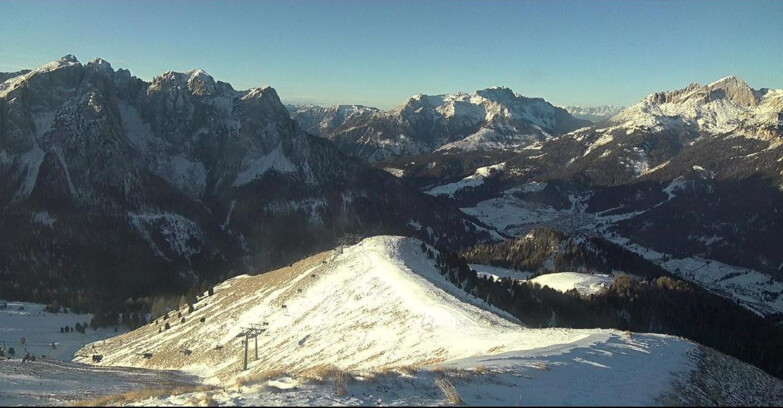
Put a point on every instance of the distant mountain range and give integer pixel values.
(692, 178)
(486, 119)
(593, 113)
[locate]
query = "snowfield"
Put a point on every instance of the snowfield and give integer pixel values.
(376, 324)
(474, 180)
(496, 272)
(40, 329)
(585, 284)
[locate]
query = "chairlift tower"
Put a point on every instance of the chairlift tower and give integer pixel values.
(253, 330)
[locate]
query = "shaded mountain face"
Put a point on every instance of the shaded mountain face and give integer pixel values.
(487, 119)
(115, 186)
(691, 173)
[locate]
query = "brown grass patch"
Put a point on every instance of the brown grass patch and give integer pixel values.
(452, 395)
(250, 379)
(541, 366)
(340, 378)
(496, 349)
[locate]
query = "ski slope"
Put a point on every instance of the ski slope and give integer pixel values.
(381, 312)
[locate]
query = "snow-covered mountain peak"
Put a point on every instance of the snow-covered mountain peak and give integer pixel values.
(722, 106)
(65, 61)
(101, 65)
(729, 88)
(200, 83)
(197, 81)
(735, 89)
(264, 93)
(421, 100)
(481, 105)
(729, 81)
(497, 94)
(69, 58)
(63, 67)
(353, 109)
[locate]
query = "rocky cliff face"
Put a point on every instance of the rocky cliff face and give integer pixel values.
(113, 183)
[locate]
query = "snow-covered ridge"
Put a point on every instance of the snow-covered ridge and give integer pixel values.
(407, 312)
(484, 105)
(14, 82)
(725, 105)
(379, 305)
(386, 286)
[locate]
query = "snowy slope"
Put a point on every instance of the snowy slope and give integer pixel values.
(40, 329)
(726, 105)
(585, 284)
(381, 305)
(385, 313)
(474, 180)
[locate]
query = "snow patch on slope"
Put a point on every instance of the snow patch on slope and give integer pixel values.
(182, 235)
(496, 273)
(31, 162)
(187, 175)
(585, 284)
(474, 180)
(275, 160)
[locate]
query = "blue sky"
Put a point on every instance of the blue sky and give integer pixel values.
(381, 52)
